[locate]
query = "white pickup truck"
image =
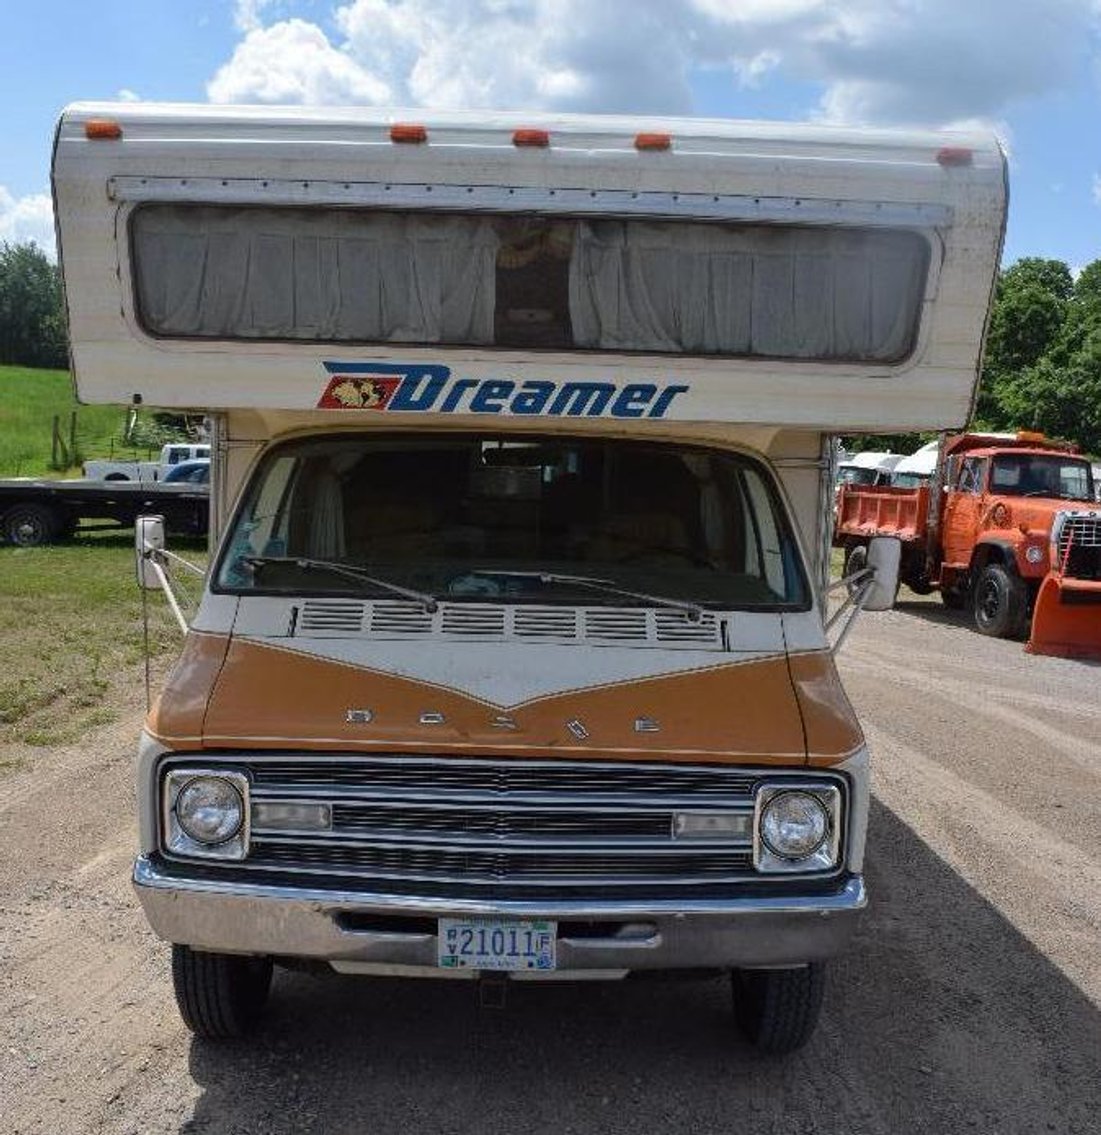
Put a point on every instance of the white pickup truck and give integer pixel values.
(171, 454)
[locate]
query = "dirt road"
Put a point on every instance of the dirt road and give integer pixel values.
(970, 1002)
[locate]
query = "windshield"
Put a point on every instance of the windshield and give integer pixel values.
(856, 475)
(547, 520)
(1042, 475)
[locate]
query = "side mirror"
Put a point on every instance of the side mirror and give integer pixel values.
(148, 538)
(885, 557)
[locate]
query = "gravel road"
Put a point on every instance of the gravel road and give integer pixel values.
(969, 1002)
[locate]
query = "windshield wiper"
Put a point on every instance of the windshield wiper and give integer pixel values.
(693, 610)
(307, 563)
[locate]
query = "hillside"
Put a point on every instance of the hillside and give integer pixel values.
(29, 399)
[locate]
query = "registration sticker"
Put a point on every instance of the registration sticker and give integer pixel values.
(496, 943)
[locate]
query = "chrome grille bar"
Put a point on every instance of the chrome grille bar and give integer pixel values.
(477, 823)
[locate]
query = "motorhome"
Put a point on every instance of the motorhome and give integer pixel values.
(512, 660)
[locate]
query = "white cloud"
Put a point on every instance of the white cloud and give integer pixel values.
(124, 94)
(1097, 188)
(293, 62)
(897, 61)
(29, 218)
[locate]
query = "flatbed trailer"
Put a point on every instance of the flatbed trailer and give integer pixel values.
(41, 512)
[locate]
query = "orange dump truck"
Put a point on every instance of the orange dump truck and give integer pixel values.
(1005, 529)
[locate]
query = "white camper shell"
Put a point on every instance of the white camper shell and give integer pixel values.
(516, 626)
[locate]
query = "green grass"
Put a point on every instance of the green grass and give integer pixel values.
(29, 399)
(71, 637)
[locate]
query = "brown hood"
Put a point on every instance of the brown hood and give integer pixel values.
(242, 693)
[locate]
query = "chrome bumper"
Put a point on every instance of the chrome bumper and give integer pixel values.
(293, 922)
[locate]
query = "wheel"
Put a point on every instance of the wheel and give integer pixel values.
(856, 559)
(920, 586)
(220, 996)
(999, 602)
(776, 1010)
(29, 525)
(116, 477)
(953, 598)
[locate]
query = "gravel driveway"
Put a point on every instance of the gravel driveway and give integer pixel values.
(969, 1001)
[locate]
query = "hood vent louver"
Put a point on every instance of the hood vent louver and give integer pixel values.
(487, 622)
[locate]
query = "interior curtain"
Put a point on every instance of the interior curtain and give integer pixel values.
(333, 275)
(768, 290)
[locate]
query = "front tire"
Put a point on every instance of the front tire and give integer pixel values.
(220, 996)
(776, 1010)
(999, 603)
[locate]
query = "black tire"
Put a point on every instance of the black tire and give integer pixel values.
(999, 602)
(919, 586)
(220, 996)
(953, 598)
(856, 559)
(29, 525)
(116, 477)
(776, 1010)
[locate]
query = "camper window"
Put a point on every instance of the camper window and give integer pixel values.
(667, 287)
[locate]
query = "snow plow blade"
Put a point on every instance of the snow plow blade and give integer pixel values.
(1066, 620)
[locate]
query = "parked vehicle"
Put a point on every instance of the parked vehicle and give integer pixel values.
(511, 662)
(43, 512)
(917, 468)
(1011, 535)
(189, 472)
(171, 456)
(867, 468)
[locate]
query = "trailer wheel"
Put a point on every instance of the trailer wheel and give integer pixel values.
(999, 602)
(776, 1010)
(220, 996)
(29, 525)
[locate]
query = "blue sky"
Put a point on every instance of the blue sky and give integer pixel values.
(1031, 69)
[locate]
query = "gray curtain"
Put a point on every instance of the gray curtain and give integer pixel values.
(783, 291)
(315, 274)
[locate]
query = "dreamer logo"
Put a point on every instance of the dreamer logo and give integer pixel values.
(433, 389)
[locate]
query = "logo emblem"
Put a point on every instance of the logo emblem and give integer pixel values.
(577, 728)
(358, 392)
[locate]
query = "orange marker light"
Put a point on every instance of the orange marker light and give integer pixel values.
(653, 141)
(408, 132)
(526, 137)
(102, 129)
(954, 156)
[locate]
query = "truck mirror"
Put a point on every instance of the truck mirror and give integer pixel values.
(148, 540)
(885, 557)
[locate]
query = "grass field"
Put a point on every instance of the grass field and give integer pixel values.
(29, 399)
(71, 637)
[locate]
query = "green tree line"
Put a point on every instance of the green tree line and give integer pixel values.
(32, 318)
(1042, 368)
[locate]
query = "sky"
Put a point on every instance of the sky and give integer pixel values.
(1028, 69)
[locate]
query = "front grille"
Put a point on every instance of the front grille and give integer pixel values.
(1080, 546)
(502, 828)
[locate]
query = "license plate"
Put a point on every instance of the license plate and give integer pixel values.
(496, 943)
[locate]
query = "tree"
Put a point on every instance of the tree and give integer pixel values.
(1043, 363)
(1031, 302)
(32, 321)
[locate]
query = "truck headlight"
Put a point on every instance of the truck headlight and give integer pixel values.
(797, 828)
(206, 813)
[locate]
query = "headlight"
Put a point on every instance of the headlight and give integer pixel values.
(798, 827)
(206, 813)
(794, 824)
(210, 809)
